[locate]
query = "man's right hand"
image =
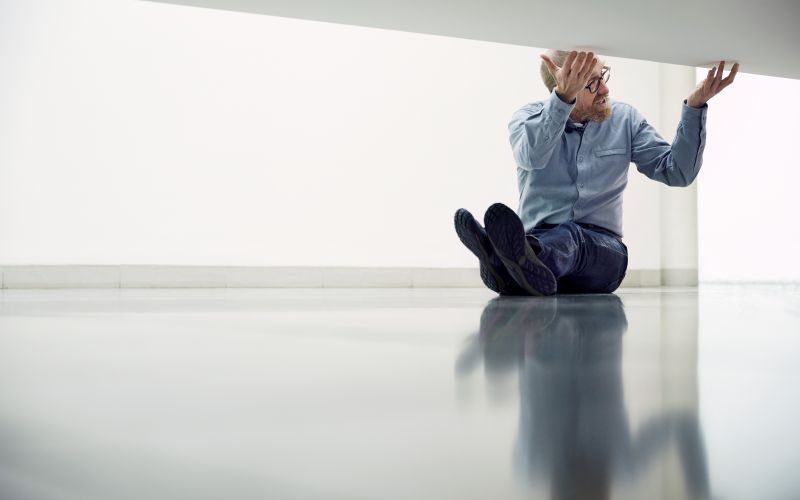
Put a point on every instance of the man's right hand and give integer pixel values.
(573, 76)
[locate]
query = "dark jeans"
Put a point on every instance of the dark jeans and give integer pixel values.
(583, 257)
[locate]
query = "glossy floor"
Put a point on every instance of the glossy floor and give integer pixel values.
(400, 394)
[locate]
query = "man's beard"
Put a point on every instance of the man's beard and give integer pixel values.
(595, 114)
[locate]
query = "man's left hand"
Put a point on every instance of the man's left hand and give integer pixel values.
(711, 85)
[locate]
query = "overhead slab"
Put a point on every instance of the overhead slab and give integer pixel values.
(762, 36)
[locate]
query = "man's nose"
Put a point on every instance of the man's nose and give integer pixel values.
(603, 88)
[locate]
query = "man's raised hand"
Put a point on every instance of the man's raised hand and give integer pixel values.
(711, 85)
(573, 76)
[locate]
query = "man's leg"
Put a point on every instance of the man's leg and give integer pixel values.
(583, 261)
(493, 273)
(507, 235)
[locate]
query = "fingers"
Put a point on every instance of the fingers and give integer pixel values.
(732, 75)
(551, 66)
(709, 80)
(573, 74)
(718, 77)
(714, 83)
(734, 71)
(579, 65)
(589, 65)
(568, 63)
(729, 79)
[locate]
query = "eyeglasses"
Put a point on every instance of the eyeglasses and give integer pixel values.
(594, 85)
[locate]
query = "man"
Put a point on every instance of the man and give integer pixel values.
(572, 153)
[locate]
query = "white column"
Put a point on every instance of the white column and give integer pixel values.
(678, 205)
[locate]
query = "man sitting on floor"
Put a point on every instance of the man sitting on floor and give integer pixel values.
(572, 153)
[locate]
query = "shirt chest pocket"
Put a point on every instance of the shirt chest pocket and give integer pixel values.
(599, 153)
(610, 165)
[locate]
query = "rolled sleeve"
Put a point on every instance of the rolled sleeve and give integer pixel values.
(535, 131)
(693, 122)
(679, 163)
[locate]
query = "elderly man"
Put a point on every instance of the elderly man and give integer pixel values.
(572, 152)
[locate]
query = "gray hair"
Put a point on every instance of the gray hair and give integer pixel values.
(559, 57)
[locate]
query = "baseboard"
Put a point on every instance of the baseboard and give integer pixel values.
(679, 277)
(141, 276)
(635, 278)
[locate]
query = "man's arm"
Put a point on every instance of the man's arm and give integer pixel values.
(679, 164)
(536, 130)
(675, 165)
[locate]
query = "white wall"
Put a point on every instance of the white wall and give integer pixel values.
(747, 194)
(140, 133)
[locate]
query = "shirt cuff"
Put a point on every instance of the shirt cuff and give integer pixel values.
(559, 108)
(693, 117)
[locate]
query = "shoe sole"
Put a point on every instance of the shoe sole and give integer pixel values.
(491, 278)
(507, 235)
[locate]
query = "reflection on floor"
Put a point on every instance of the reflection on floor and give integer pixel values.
(398, 394)
(573, 429)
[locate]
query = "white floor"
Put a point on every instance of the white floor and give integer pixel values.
(399, 394)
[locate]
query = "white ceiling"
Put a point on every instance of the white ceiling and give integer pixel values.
(764, 36)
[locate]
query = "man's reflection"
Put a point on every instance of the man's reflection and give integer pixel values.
(574, 429)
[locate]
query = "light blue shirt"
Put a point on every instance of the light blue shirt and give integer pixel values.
(580, 177)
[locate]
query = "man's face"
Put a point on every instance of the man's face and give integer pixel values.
(593, 107)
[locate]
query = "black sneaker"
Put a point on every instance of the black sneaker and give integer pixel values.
(507, 235)
(493, 273)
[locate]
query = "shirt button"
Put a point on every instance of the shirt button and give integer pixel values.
(580, 159)
(581, 185)
(561, 111)
(547, 138)
(578, 207)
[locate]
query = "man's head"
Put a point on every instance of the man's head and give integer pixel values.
(593, 107)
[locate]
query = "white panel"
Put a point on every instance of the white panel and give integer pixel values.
(748, 212)
(763, 36)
